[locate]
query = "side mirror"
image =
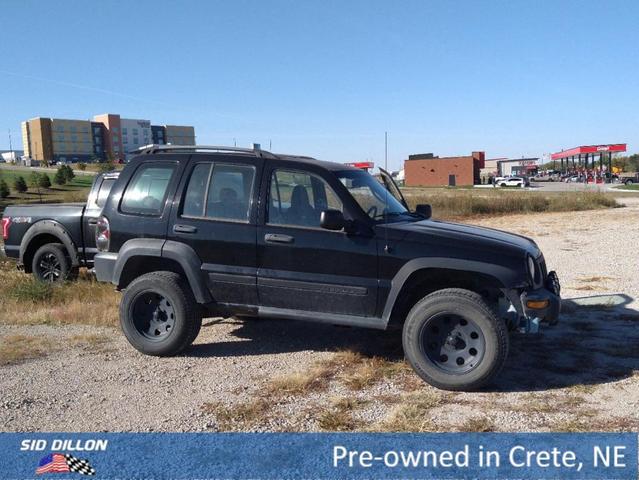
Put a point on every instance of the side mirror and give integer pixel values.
(425, 210)
(332, 220)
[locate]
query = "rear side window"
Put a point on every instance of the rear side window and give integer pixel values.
(220, 191)
(103, 192)
(146, 193)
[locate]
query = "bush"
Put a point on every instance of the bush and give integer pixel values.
(20, 185)
(4, 189)
(34, 179)
(82, 166)
(60, 178)
(44, 181)
(68, 173)
(108, 166)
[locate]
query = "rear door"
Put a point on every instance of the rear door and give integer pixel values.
(216, 216)
(301, 265)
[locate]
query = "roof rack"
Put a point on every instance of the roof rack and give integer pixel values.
(155, 148)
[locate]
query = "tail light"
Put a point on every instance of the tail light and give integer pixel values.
(102, 234)
(6, 221)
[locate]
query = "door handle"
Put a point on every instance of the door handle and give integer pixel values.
(184, 229)
(93, 221)
(278, 238)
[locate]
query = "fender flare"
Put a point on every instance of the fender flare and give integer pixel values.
(503, 274)
(50, 227)
(184, 255)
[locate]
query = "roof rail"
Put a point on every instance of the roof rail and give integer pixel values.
(155, 148)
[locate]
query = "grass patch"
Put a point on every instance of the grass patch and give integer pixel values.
(478, 424)
(74, 191)
(18, 348)
(30, 290)
(629, 187)
(229, 417)
(463, 203)
(572, 425)
(340, 418)
(23, 301)
(352, 369)
(534, 404)
(412, 414)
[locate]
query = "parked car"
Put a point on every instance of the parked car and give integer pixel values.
(511, 182)
(53, 240)
(193, 231)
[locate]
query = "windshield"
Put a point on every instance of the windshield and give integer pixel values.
(371, 195)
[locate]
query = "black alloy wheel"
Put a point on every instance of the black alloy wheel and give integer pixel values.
(453, 343)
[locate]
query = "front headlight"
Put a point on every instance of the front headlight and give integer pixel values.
(531, 269)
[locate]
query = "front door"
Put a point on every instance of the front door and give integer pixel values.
(217, 218)
(303, 266)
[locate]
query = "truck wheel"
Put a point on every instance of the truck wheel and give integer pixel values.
(454, 341)
(51, 264)
(159, 315)
(628, 182)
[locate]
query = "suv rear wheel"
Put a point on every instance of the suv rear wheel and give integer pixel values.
(454, 341)
(159, 315)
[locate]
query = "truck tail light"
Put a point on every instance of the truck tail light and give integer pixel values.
(6, 222)
(102, 234)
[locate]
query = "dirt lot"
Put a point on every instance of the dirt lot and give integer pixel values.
(276, 375)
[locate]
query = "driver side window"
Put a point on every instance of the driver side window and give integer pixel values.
(298, 199)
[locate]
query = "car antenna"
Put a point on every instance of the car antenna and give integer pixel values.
(386, 247)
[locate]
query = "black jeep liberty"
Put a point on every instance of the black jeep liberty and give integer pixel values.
(193, 231)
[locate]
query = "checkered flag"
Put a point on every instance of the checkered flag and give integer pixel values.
(78, 465)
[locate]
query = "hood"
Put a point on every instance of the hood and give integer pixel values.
(458, 231)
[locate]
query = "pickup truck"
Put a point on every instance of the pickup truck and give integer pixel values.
(629, 178)
(53, 240)
(197, 231)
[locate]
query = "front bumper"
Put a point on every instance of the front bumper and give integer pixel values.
(541, 305)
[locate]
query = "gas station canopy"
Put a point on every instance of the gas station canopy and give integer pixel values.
(589, 149)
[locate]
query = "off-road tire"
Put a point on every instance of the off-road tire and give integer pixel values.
(463, 304)
(51, 252)
(187, 319)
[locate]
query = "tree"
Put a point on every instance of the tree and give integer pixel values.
(4, 189)
(68, 173)
(107, 167)
(60, 177)
(34, 179)
(44, 181)
(20, 185)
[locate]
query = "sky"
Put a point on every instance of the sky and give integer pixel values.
(328, 78)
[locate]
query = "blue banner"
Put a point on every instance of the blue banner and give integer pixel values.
(273, 456)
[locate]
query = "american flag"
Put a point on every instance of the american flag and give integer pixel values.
(53, 463)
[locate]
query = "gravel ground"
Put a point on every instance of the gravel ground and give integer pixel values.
(579, 375)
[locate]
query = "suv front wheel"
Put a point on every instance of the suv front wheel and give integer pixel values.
(159, 315)
(454, 341)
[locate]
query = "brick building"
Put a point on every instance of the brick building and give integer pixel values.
(429, 170)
